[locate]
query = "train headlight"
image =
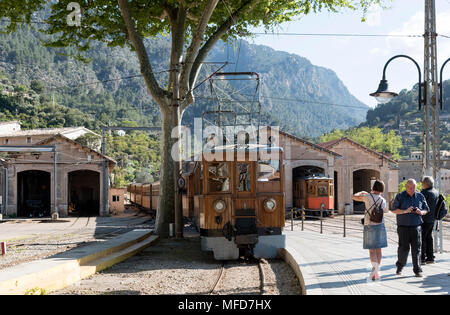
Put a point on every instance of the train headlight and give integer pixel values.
(270, 205)
(220, 205)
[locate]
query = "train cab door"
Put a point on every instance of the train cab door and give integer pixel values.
(245, 203)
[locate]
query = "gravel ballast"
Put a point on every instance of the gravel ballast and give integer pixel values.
(180, 267)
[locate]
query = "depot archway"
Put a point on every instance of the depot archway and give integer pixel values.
(84, 193)
(362, 181)
(302, 172)
(33, 194)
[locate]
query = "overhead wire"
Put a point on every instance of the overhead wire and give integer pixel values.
(278, 33)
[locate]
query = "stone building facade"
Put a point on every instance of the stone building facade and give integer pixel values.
(358, 167)
(351, 165)
(34, 190)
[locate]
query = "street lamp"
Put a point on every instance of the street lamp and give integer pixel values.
(441, 102)
(383, 95)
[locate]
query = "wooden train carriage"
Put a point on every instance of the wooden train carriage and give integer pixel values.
(133, 193)
(241, 200)
(138, 194)
(314, 193)
(144, 195)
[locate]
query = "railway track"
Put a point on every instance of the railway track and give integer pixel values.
(228, 268)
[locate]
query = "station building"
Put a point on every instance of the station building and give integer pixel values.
(357, 169)
(29, 186)
(352, 166)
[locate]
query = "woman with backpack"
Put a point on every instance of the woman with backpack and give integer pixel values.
(375, 237)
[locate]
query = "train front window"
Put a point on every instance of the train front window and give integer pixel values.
(268, 170)
(322, 191)
(218, 177)
(244, 177)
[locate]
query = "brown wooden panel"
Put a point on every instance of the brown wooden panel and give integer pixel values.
(146, 190)
(210, 214)
(155, 202)
(198, 202)
(244, 203)
(146, 202)
(138, 198)
(186, 203)
(272, 186)
(270, 219)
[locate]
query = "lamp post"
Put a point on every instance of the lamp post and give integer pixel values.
(441, 104)
(383, 95)
(441, 90)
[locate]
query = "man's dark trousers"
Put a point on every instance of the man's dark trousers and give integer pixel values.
(427, 241)
(409, 236)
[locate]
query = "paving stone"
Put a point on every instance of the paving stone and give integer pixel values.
(332, 265)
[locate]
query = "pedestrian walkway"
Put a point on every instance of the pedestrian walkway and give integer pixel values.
(331, 264)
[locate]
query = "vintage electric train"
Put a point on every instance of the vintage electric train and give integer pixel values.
(314, 194)
(237, 204)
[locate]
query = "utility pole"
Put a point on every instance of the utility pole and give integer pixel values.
(430, 104)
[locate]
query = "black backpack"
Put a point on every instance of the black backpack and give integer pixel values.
(441, 209)
(376, 215)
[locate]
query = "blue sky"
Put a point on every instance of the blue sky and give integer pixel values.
(359, 61)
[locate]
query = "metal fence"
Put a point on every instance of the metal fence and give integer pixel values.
(300, 214)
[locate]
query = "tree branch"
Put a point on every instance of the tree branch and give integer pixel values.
(213, 39)
(194, 47)
(160, 96)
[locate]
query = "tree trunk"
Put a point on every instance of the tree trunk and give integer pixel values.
(166, 203)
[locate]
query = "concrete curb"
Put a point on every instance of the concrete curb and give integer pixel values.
(55, 273)
(309, 283)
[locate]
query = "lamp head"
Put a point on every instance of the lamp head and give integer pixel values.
(383, 95)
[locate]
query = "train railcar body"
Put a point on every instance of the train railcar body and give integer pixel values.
(314, 194)
(144, 196)
(240, 210)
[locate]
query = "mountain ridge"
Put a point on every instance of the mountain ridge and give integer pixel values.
(295, 90)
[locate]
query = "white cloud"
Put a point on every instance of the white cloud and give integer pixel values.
(414, 46)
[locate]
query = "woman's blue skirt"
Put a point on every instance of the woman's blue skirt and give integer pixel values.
(374, 236)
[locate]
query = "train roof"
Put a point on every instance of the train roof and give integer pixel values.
(315, 177)
(243, 148)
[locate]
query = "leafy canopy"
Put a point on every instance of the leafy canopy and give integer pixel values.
(102, 19)
(372, 138)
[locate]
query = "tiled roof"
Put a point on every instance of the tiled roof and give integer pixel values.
(314, 146)
(9, 122)
(332, 143)
(48, 140)
(43, 132)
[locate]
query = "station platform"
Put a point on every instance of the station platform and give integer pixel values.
(61, 270)
(333, 265)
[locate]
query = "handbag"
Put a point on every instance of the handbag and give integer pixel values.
(376, 215)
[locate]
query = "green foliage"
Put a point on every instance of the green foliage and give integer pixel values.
(20, 88)
(36, 291)
(138, 157)
(37, 86)
(134, 152)
(372, 138)
(90, 140)
(402, 116)
(447, 200)
(102, 20)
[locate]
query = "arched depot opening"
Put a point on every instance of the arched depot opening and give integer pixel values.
(84, 193)
(362, 181)
(298, 176)
(33, 194)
